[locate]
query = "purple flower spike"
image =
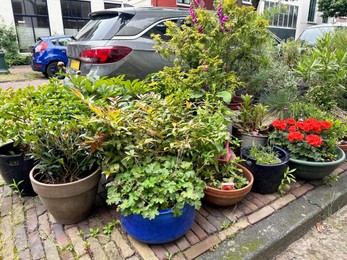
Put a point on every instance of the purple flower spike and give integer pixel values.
(222, 18)
(197, 2)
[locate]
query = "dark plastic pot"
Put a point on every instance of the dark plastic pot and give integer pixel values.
(267, 177)
(16, 168)
(162, 229)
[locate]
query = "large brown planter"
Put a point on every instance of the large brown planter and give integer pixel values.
(229, 197)
(69, 202)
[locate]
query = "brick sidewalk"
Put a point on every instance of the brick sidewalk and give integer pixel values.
(28, 231)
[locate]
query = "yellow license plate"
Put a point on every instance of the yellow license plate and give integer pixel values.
(75, 64)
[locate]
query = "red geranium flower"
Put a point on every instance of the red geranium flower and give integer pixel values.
(326, 125)
(295, 136)
(290, 121)
(279, 124)
(292, 129)
(314, 140)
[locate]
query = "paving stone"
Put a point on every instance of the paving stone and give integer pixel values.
(31, 220)
(171, 248)
(111, 250)
(51, 250)
(60, 235)
(84, 227)
(134, 257)
(25, 254)
(257, 202)
(203, 211)
(198, 231)
(202, 247)
(262, 197)
(20, 237)
(343, 166)
(76, 241)
(8, 249)
(337, 171)
(66, 255)
(282, 201)
(295, 185)
(96, 249)
(159, 251)
(191, 237)
(204, 224)
(216, 222)
(6, 206)
(271, 197)
(36, 245)
(182, 243)
(217, 213)
(234, 214)
(121, 243)
(143, 249)
(179, 256)
(260, 214)
(95, 223)
(40, 208)
(44, 225)
(234, 228)
(241, 206)
(302, 190)
(250, 205)
(103, 239)
(29, 203)
(85, 257)
(249, 196)
(105, 216)
(6, 228)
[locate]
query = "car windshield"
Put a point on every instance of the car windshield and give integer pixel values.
(104, 26)
(311, 35)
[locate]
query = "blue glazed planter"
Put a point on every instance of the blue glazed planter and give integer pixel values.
(267, 177)
(162, 229)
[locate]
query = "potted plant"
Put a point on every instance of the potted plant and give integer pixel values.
(16, 119)
(249, 121)
(227, 183)
(311, 144)
(67, 174)
(267, 165)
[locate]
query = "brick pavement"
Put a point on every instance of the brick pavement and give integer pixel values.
(28, 231)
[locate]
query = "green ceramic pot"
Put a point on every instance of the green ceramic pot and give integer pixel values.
(315, 170)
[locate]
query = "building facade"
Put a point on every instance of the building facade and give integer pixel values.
(36, 18)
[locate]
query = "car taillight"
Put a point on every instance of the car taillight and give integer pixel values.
(104, 54)
(41, 47)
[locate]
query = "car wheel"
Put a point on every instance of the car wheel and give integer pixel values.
(45, 74)
(52, 69)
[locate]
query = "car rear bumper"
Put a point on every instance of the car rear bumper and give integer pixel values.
(36, 66)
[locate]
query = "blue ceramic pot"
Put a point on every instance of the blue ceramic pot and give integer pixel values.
(162, 229)
(267, 177)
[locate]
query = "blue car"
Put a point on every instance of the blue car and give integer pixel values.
(47, 52)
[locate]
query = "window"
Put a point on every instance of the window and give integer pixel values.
(31, 19)
(160, 29)
(183, 2)
(312, 11)
(287, 17)
(75, 15)
(112, 5)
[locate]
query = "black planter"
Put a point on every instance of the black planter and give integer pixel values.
(267, 177)
(16, 168)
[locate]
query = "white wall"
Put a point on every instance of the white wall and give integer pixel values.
(55, 17)
(6, 14)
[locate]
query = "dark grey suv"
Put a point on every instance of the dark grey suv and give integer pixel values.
(118, 41)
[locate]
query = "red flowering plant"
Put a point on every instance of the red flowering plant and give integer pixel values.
(309, 140)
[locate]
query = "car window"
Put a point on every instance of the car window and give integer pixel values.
(54, 41)
(63, 41)
(104, 26)
(160, 29)
(311, 35)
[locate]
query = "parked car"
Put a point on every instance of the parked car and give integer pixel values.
(315, 32)
(117, 41)
(47, 52)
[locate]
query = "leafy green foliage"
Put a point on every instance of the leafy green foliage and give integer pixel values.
(107, 230)
(250, 118)
(150, 186)
(334, 8)
(210, 56)
(264, 155)
(288, 178)
(324, 70)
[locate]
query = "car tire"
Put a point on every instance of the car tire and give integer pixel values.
(52, 69)
(45, 74)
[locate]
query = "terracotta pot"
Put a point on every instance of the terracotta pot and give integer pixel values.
(69, 202)
(229, 197)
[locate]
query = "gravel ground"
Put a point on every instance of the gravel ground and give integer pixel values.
(327, 240)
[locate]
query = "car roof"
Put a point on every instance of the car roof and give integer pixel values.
(53, 37)
(158, 12)
(327, 25)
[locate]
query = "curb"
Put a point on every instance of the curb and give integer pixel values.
(271, 236)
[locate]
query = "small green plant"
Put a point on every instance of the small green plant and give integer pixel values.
(331, 179)
(288, 178)
(264, 155)
(107, 230)
(168, 255)
(225, 224)
(94, 232)
(15, 187)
